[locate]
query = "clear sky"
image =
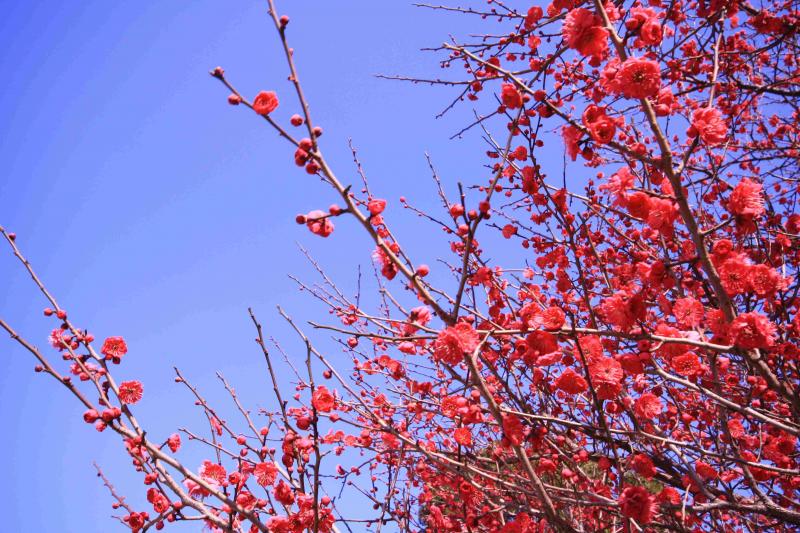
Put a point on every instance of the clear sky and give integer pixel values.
(155, 211)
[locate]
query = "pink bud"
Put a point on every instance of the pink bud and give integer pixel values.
(456, 210)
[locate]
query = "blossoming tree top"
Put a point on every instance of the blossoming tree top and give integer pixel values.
(611, 340)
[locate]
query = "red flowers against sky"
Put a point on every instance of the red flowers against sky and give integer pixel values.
(631, 364)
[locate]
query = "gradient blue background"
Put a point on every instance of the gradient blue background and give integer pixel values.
(155, 211)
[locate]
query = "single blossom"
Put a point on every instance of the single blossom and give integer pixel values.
(510, 96)
(265, 102)
(643, 465)
(747, 199)
(453, 342)
(322, 399)
(541, 343)
(733, 273)
(571, 382)
(265, 473)
(213, 473)
(752, 330)
(763, 280)
(687, 364)
(553, 318)
(130, 391)
(420, 315)
(174, 442)
(114, 347)
(622, 310)
(463, 436)
(637, 503)
(638, 78)
(606, 377)
(376, 206)
(647, 406)
(60, 339)
(638, 205)
(688, 312)
(705, 471)
(533, 16)
(661, 215)
(708, 123)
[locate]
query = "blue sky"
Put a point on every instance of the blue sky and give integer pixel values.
(155, 211)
